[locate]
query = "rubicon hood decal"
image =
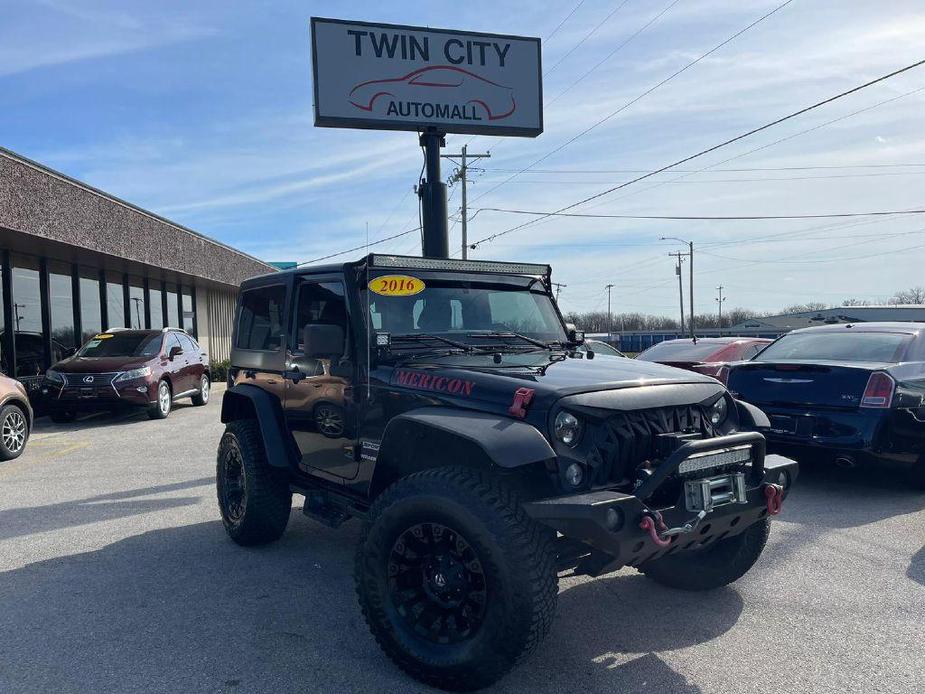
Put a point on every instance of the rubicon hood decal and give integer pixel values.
(421, 380)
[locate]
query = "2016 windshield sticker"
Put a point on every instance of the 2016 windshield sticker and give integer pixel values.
(396, 285)
(437, 384)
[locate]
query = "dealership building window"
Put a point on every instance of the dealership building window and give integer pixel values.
(136, 306)
(115, 301)
(61, 305)
(27, 317)
(173, 306)
(155, 305)
(91, 317)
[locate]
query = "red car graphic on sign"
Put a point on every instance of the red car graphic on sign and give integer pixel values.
(463, 87)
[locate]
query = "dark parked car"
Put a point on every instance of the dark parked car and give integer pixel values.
(141, 368)
(15, 418)
(850, 394)
(483, 452)
(706, 355)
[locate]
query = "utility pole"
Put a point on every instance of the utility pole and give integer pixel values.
(677, 270)
(690, 254)
(609, 314)
(432, 192)
(16, 314)
(137, 302)
(558, 286)
(460, 176)
(719, 301)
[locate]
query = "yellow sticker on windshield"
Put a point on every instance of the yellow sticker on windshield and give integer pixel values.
(102, 336)
(396, 285)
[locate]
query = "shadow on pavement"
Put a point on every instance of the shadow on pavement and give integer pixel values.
(184, 609)
(19, 522)
(917, 567)
(104, 418)
(837, 498)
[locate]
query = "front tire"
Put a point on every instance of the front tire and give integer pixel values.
(455, 581)
(254, 499)
(716, 566)
(161, 407)
(14, 432)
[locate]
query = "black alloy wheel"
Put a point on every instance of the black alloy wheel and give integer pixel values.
(232, 483)
(437, 584)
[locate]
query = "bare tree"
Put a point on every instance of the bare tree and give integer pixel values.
(855, 302)
(915, 295)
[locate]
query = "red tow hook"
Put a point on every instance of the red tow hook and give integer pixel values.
(774, 494)
(648, 524)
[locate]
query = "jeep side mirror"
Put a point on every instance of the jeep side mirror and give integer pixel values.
(575, 336)
(175, 352)
(323, 340)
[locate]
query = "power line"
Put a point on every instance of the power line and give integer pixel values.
(767, 168)
(703, 152)
(586, 37)
(753, 179)
(562, 23)
(638, 98)
(718, 218)
(360, 247)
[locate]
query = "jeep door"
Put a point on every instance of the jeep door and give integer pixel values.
(258, 348)
(319, 409)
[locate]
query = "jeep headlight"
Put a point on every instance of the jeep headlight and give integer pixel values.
(719, 410)
(132, 374)
(54, 376)
(567, 428)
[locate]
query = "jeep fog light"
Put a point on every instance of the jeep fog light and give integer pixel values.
(574, 475)
(567, 428)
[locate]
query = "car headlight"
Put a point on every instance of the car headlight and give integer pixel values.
(719, 410)
(567, 428)
(134, 373)
(54, 376)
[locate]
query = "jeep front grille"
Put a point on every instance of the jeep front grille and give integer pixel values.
(626, 440)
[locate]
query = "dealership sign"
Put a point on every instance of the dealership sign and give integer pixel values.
(386, 76)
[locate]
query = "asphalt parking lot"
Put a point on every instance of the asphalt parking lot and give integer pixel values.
(116, 576)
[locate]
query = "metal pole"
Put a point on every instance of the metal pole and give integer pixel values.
(719, 301)
(609, 314)
(435, 243)
(691, 270)
(677, 270)
(465, 214)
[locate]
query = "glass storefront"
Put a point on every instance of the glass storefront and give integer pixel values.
(91, 319)
(61, 307)
(155, 301)
(27, 318)
(115, 301)
(173, 308)
(189, 312)
(136, 305)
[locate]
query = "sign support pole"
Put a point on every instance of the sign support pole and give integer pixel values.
(434, 237)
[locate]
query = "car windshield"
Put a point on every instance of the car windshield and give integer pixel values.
(122, 344)
(683, 350)
(473, 313)
(837, 346)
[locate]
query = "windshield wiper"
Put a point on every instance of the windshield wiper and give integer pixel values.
(420, 337)
(502, 335)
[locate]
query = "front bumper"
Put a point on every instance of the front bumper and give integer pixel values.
(609, 521)
(137, 392)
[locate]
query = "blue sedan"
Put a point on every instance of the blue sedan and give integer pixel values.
(852, 394)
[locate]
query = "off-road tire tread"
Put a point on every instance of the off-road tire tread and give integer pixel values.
(530, 551)
(688, 571)
(269, 499)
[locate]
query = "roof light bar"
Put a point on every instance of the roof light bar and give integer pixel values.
(415, 263)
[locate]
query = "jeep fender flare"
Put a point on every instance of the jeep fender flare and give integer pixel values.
(245, 401)
(435, 436)
(751, 418)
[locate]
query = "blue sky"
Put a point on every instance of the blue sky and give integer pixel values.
(202, 112)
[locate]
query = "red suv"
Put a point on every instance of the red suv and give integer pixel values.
(142, 368)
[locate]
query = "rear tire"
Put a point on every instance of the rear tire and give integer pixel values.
(161, 407)
(14, 432)
(455, 581)
(254, 499)
(713, 567)
(202, 396)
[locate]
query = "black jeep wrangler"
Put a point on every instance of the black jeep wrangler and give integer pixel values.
(446, 405)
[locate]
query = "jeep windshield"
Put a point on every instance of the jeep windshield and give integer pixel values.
(122, 344)
(450, 314)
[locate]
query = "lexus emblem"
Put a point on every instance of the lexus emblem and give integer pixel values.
(88, 379)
